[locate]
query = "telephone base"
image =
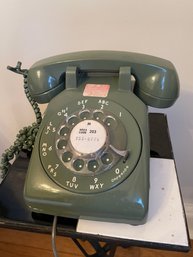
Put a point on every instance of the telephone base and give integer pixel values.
(128, 206)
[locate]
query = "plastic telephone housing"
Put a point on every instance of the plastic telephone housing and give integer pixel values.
(156, 84)
(91, 155)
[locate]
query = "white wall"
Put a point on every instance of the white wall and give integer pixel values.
(32, 30)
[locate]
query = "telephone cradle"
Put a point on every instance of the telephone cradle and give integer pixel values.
(91, 155)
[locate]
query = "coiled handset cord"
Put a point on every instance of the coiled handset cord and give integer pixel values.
(26, 137)
(25, 140)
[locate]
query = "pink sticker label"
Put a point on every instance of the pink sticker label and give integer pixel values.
(96, 90)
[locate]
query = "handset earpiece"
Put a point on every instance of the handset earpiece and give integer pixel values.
(157, 86)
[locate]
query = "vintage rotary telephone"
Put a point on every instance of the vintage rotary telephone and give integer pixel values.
(91, 154)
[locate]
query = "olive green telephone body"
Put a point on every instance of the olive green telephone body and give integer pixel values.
(91, 155)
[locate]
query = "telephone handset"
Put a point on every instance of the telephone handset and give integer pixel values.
(91, 154)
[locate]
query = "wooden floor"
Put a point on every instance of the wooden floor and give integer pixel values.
(15, 243)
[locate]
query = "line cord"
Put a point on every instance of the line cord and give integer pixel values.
(54, 226)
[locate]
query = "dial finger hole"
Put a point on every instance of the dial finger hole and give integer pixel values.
(107, 158)
(61, 144)
(93, 165)
(84, 115)
(73, 121)
(98, 115)
(78, 164)
(64, 131)
(110, 122)
(67, 157)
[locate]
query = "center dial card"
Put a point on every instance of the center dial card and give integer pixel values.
(88, 137)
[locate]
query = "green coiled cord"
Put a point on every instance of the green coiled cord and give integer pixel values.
(26, 137)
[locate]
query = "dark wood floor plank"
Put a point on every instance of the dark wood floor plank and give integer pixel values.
(15, 243)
